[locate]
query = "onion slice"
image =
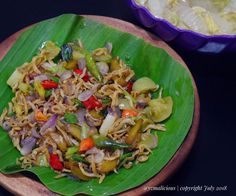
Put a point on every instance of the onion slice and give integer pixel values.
(81, 116)
(85, 95)
(149, 140)
(66, 75)
(47, 66)
(27, 145)
(109, 46)
(98, 154)
(81, 63)
(51, 123)
(6, 126)
(35, 133)
(107, 124)
(41, 77)
(103, 67)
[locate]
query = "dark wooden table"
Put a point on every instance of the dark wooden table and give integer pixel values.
(212, 160)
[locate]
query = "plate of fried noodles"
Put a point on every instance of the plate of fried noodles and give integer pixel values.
(94, 114)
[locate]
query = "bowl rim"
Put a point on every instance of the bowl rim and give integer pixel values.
(135, 5)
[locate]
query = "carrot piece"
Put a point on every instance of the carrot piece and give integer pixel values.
(39, 116)
(86, 144)
(129, 113)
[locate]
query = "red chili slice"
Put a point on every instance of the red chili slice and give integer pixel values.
(80, 71)
(92, 103)
(49, 84)
(55, 162)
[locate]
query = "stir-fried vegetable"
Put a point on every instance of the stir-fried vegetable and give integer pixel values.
(86, 144)
(50, 50)
(15, 78)
(48, 93)
(80, 72)
(78, 173)
(24, 87)
(75, 131)
(78, 158)
(144, 84)
(133, 132)
(84, 131)
(54, 78)
(55, 163)
(39, 116)
(82, 114)
(70, 118)
(91, 65)
(66, 52)
(108, 166)
(49, 84)
(42, 160)
(27, 145)
(104, 142)
(59, 140)
(129, 113)
(115, 64)
(92, 103)
(161, 108)
(71, 65)
(39, 88)
(70, 151)
(107, 124)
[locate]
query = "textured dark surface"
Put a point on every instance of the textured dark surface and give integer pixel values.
(212, 160)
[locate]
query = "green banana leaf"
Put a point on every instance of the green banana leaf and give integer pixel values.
(145, 59)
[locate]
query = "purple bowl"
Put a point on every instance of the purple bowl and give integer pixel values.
(183, 38)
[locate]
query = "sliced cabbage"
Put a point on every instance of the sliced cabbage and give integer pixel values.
(221, 4)
(191, 20)
(172, 2)
(160, 108)
(213, 28)
(15, 78)
(141, 2)
(230, 16)
(157, 7)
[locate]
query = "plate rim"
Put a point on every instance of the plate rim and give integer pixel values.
(8, 181)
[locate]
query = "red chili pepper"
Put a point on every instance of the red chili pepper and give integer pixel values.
(129, 86)
(55, 162)
(92, 103)
(49, 84)
(80, 71)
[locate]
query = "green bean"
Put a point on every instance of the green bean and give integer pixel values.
(91, 65)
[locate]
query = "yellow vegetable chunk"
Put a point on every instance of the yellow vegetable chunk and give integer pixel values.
(144, 84)
(75, 170)
(161, 108)
(75, 131)
(107, 166)
(70, 65)
(134, 132)
(59, 140)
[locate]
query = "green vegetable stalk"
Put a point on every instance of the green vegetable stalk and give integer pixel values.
(70, 151)
(70, 118)
(91, 65)
(104, 142)
(78, 158)
(126, 155)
